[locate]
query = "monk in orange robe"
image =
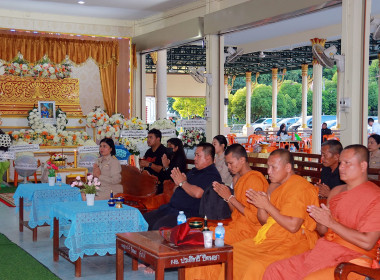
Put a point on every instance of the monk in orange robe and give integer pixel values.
(350, 224)
(244, 222)
(287, 228)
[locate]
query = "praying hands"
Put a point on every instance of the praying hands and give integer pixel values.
(177, 176)
(259, 199)
(321, 215)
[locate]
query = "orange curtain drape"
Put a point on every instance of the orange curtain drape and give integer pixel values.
(105, 54)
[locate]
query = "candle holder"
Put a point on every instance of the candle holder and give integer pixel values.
(119, 202)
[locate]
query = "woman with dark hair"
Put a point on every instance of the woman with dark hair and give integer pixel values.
(175, 157)
(108, 170)
(220, 144)
(282, 130)
(374, 152)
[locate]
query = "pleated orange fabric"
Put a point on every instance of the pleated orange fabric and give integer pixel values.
(359, 209)
(241, 227)
(291, 198)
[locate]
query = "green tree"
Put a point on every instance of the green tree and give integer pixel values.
(189, 107)
(237, 104)
(289, 99)
(261, 102)
(170, 105)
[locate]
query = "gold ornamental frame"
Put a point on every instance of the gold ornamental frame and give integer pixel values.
(18, 95)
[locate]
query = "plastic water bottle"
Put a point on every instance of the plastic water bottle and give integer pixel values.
(181, 218)
(59, 180)
(219, 235)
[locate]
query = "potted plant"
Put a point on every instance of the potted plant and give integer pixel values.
(51, 175)
(89, 189)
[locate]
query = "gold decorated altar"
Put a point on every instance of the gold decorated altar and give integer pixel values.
(18, 95)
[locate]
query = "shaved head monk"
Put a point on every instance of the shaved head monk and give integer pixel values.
(287, 228)
(244, 222)
(350, 224)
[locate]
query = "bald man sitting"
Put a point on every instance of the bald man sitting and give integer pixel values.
(287, 228)
(350, 224)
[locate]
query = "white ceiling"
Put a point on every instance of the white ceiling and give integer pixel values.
(112, 9)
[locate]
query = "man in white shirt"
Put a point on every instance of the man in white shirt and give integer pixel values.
(375, 126)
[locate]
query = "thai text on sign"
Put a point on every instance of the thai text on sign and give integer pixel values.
(7, 155)
(24, 148)
(134, 133)
(88, 149)
(168, 133)
(193, 123)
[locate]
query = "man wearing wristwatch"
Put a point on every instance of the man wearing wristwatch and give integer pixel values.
(189, 190)
(152, 159)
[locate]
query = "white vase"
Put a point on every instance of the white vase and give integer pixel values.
(90, 198)
(51, 181)
(137, 162)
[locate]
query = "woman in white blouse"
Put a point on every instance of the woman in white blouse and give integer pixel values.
(220, 144)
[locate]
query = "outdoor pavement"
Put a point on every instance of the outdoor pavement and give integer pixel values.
(93, 268)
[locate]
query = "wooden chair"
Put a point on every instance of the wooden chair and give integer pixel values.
(15, 177)
(343, 269)
(139, 189)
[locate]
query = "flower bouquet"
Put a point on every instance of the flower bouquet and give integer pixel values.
(90, 188)
(51, 167)
(97, 117)
(192, 137)
(166, 127)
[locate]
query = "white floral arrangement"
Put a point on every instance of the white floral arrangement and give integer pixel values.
(134, 124)
(132, 145)
(61, 119)
(192, 137)
(116, 119)
(109, 131)
(34, 119)
(43, 69)
(97, 117)
(163, 124)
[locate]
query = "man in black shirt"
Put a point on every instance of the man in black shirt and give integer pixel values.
(325, 131)
(330, 152)
(189, 189)
(152, 159)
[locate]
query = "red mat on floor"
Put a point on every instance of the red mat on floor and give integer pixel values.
(7, 199)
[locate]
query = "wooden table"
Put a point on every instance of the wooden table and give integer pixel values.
(151, 248)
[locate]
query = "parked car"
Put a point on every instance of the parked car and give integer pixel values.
(262, 124)
(309, 121)
(288, 121)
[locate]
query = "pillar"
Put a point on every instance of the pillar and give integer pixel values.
(225, 97)
(214, 67)
(139, 103)
(274, 97)
(355, 47)
(317, 100)
(339, 95)
(304, 95)
(248, 84)
(161, 93)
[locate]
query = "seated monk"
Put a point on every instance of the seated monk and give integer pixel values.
(287, 228)
(244, 222)
(350, 224)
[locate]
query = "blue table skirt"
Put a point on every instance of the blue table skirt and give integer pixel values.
(92, 229)
(38, 199)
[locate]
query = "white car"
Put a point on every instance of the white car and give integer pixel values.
(262, 124)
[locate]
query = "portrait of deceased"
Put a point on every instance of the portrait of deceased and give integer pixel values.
(47, 111)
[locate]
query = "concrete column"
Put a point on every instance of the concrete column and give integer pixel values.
(161, 93)
(339, 95)
(223, 122)
(214, 66)
(317, 100)
(225, 97)
(248, 84)
(274, 97)
(378, 84)
(355, 47)
(139, 106)
(304, 95)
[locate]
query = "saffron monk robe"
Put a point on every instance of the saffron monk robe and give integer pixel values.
(244, 222)
(287, 228)
(350, 224)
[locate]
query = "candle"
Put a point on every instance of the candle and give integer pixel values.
(75, 159)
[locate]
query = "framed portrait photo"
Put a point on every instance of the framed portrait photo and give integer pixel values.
(47, 111)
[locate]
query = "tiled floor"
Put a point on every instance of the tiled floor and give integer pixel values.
(93, 268)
